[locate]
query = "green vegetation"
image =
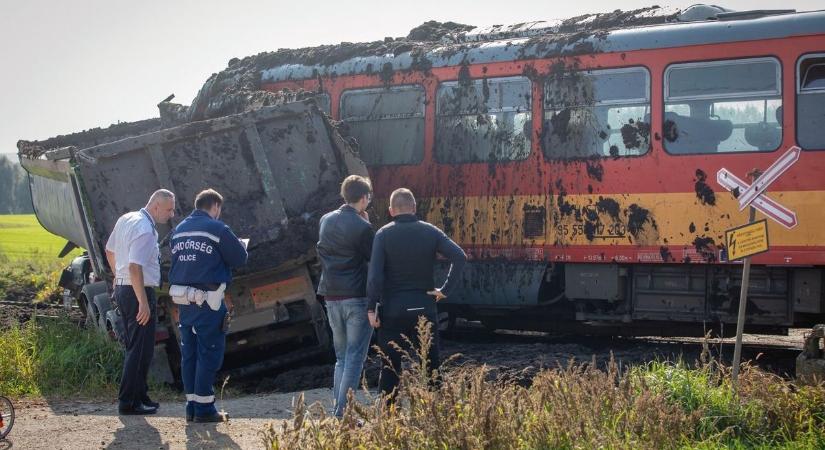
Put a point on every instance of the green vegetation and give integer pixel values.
(45, 356)
(57, 358)
(29, 267)
(660, 405)
(22, 238)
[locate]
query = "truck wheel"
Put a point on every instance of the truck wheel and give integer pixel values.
(86, 297)
(115, 328)
(91, 313)
(103, 305)
(81, 303)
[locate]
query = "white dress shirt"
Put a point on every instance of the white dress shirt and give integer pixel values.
(135, 240)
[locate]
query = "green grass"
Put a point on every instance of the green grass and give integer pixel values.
(23, 238)
(57, 358)
(29, 266)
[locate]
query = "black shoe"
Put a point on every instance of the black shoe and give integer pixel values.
(150, 403)
(140, 410)
(214, 418)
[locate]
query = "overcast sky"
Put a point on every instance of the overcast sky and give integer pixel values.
(72, 65)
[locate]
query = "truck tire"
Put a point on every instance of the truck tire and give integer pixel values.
(91, 313)
(103, 305)
(87, 295)
(114, 327)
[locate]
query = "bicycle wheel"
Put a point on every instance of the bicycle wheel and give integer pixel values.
(6, 417)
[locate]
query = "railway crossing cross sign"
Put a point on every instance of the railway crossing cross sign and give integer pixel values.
(753, 195)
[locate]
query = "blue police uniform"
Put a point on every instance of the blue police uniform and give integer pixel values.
(204, 251)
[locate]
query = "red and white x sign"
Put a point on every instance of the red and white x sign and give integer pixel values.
(753, 194)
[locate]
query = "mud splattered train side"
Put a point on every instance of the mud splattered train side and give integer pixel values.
(576, 161)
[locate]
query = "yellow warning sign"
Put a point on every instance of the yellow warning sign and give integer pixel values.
(747, 240)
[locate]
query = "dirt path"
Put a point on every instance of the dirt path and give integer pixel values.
(96, 425)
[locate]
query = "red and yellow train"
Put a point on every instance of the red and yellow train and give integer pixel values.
(578, 169)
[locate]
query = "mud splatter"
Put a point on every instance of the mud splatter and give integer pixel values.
(386, 73)
(670, 131)
(609, 206)
(595, 170)
(636, 134)
(705, 246)
(637, 218)
(590, 230)
(89, 138)
(665, 253)
(432, 30)
(703, 192)
(565, 208)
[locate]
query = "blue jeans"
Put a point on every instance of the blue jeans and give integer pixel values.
(351, 333)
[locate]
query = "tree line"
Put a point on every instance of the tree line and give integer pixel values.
(15, 196)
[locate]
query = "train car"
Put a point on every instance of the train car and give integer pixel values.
(576, 163)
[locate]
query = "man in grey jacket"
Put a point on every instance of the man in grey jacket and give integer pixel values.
(344, 248)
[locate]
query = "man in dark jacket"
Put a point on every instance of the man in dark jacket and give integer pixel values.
(344, 246)
(204, 250)
(401, 278)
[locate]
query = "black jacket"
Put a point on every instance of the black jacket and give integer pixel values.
(344, 248)
(403, 263)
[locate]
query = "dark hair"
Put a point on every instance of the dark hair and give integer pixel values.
(354, 188)
(402, 198)
(208, 198)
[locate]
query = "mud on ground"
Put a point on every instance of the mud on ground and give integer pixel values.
(519, 356)
(20, 312)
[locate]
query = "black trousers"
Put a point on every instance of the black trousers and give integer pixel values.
(140, 346)
(392, 331)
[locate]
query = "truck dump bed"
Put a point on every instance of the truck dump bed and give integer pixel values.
(279, 169)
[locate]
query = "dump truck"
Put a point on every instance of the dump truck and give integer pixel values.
(279, 168)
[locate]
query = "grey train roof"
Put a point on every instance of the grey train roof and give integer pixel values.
(730, 27)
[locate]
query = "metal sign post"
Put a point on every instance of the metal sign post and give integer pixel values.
(740, 320)
(753, 195)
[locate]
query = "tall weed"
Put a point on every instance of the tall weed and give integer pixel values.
(659, 405)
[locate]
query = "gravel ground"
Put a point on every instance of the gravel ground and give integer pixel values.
(95, 425)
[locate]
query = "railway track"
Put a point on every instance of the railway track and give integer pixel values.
(777, 355)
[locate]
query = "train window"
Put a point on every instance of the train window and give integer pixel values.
(723, 106)
(388, 123)
(810, 102)
(597, 113)
(483, 120)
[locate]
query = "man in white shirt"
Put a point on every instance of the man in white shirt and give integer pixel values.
(133, 254)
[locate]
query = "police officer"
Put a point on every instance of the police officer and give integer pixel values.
(401, 277)
(204, 250)
(133, 255)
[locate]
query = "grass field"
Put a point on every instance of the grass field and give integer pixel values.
(22, 237)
